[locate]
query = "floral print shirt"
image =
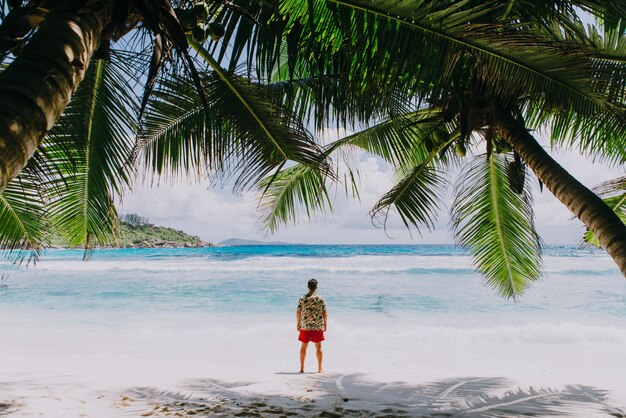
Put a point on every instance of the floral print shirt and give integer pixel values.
(312, 309)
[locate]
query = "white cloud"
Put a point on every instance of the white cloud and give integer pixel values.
(212, 214)
(216, 214)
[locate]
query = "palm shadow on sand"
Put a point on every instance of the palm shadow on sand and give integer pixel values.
(353, 395)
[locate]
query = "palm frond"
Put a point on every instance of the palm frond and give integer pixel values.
(518, 59)
(614, 193)
(600, 135)
(416, 197)
(496, 225)
(175, 131)
(403, 140)
(618, 205)
(23, 229)
(290, 190)
(416, 194)
(252, 35)
(325, 100)
(284, 136)
(611, 45)
(409, 141)
(91, 147)
(438, 30)
(611, 13)
(611, 187)
(400, 140)
(597, 128)
(244, 132)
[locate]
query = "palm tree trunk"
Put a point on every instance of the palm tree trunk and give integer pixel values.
(38, 85)
(581, 201)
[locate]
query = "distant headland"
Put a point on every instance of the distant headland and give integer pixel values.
(138, 232)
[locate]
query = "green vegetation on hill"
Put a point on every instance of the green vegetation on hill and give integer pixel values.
(137, 231)
(157, 236)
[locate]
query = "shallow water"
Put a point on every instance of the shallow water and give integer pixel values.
(429, 282)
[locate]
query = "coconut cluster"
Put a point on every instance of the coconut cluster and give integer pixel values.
(195, 21)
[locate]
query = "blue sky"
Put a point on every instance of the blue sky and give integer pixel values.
(216, 214)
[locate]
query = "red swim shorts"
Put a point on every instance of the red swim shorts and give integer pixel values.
(311, 335)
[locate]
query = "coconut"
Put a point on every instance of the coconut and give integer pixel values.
(216, 30)
(186, 18)
(440, 136)
(201, 11)
(199, 33)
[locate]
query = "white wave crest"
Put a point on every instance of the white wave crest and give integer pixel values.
(360, 263)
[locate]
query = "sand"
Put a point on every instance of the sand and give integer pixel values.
(156, 369)
(285, 394)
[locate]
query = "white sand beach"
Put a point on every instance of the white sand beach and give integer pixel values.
(156, 367)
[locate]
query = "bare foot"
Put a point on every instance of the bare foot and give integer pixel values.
(301, 370)
(320, 371)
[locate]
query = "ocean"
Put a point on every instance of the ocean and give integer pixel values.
(397, 313)
(422, 281)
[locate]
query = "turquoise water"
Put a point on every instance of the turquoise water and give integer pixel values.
(386, 280)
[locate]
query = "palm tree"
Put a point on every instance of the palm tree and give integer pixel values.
(515, 66)
(78, 169)
(54, 42)
(88, 157)
(488, 68)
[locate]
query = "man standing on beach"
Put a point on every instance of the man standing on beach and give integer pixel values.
(311, 321)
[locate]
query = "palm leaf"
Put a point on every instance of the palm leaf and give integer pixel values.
(618, 205)
(416, 198)
(324, 100)
(252, 35)
(596, 130)
(284, 136)
(90, 147)
(519, 59)
(400, 141)
(244, 132)
(23, 229)
(496, 225)
(434, 29)
(611, 187)
(175, 131)
(292, 188)
(419, 186)
(614, 192)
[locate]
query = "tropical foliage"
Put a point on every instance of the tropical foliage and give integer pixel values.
(229, 90)
(613, 193)
(516, 66)
(495, 221)
(80, 167)
(90, 156)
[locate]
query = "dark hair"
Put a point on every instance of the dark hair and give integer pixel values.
(312, 284)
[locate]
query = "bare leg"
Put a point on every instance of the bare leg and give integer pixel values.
(303, 356)
(319, 354)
